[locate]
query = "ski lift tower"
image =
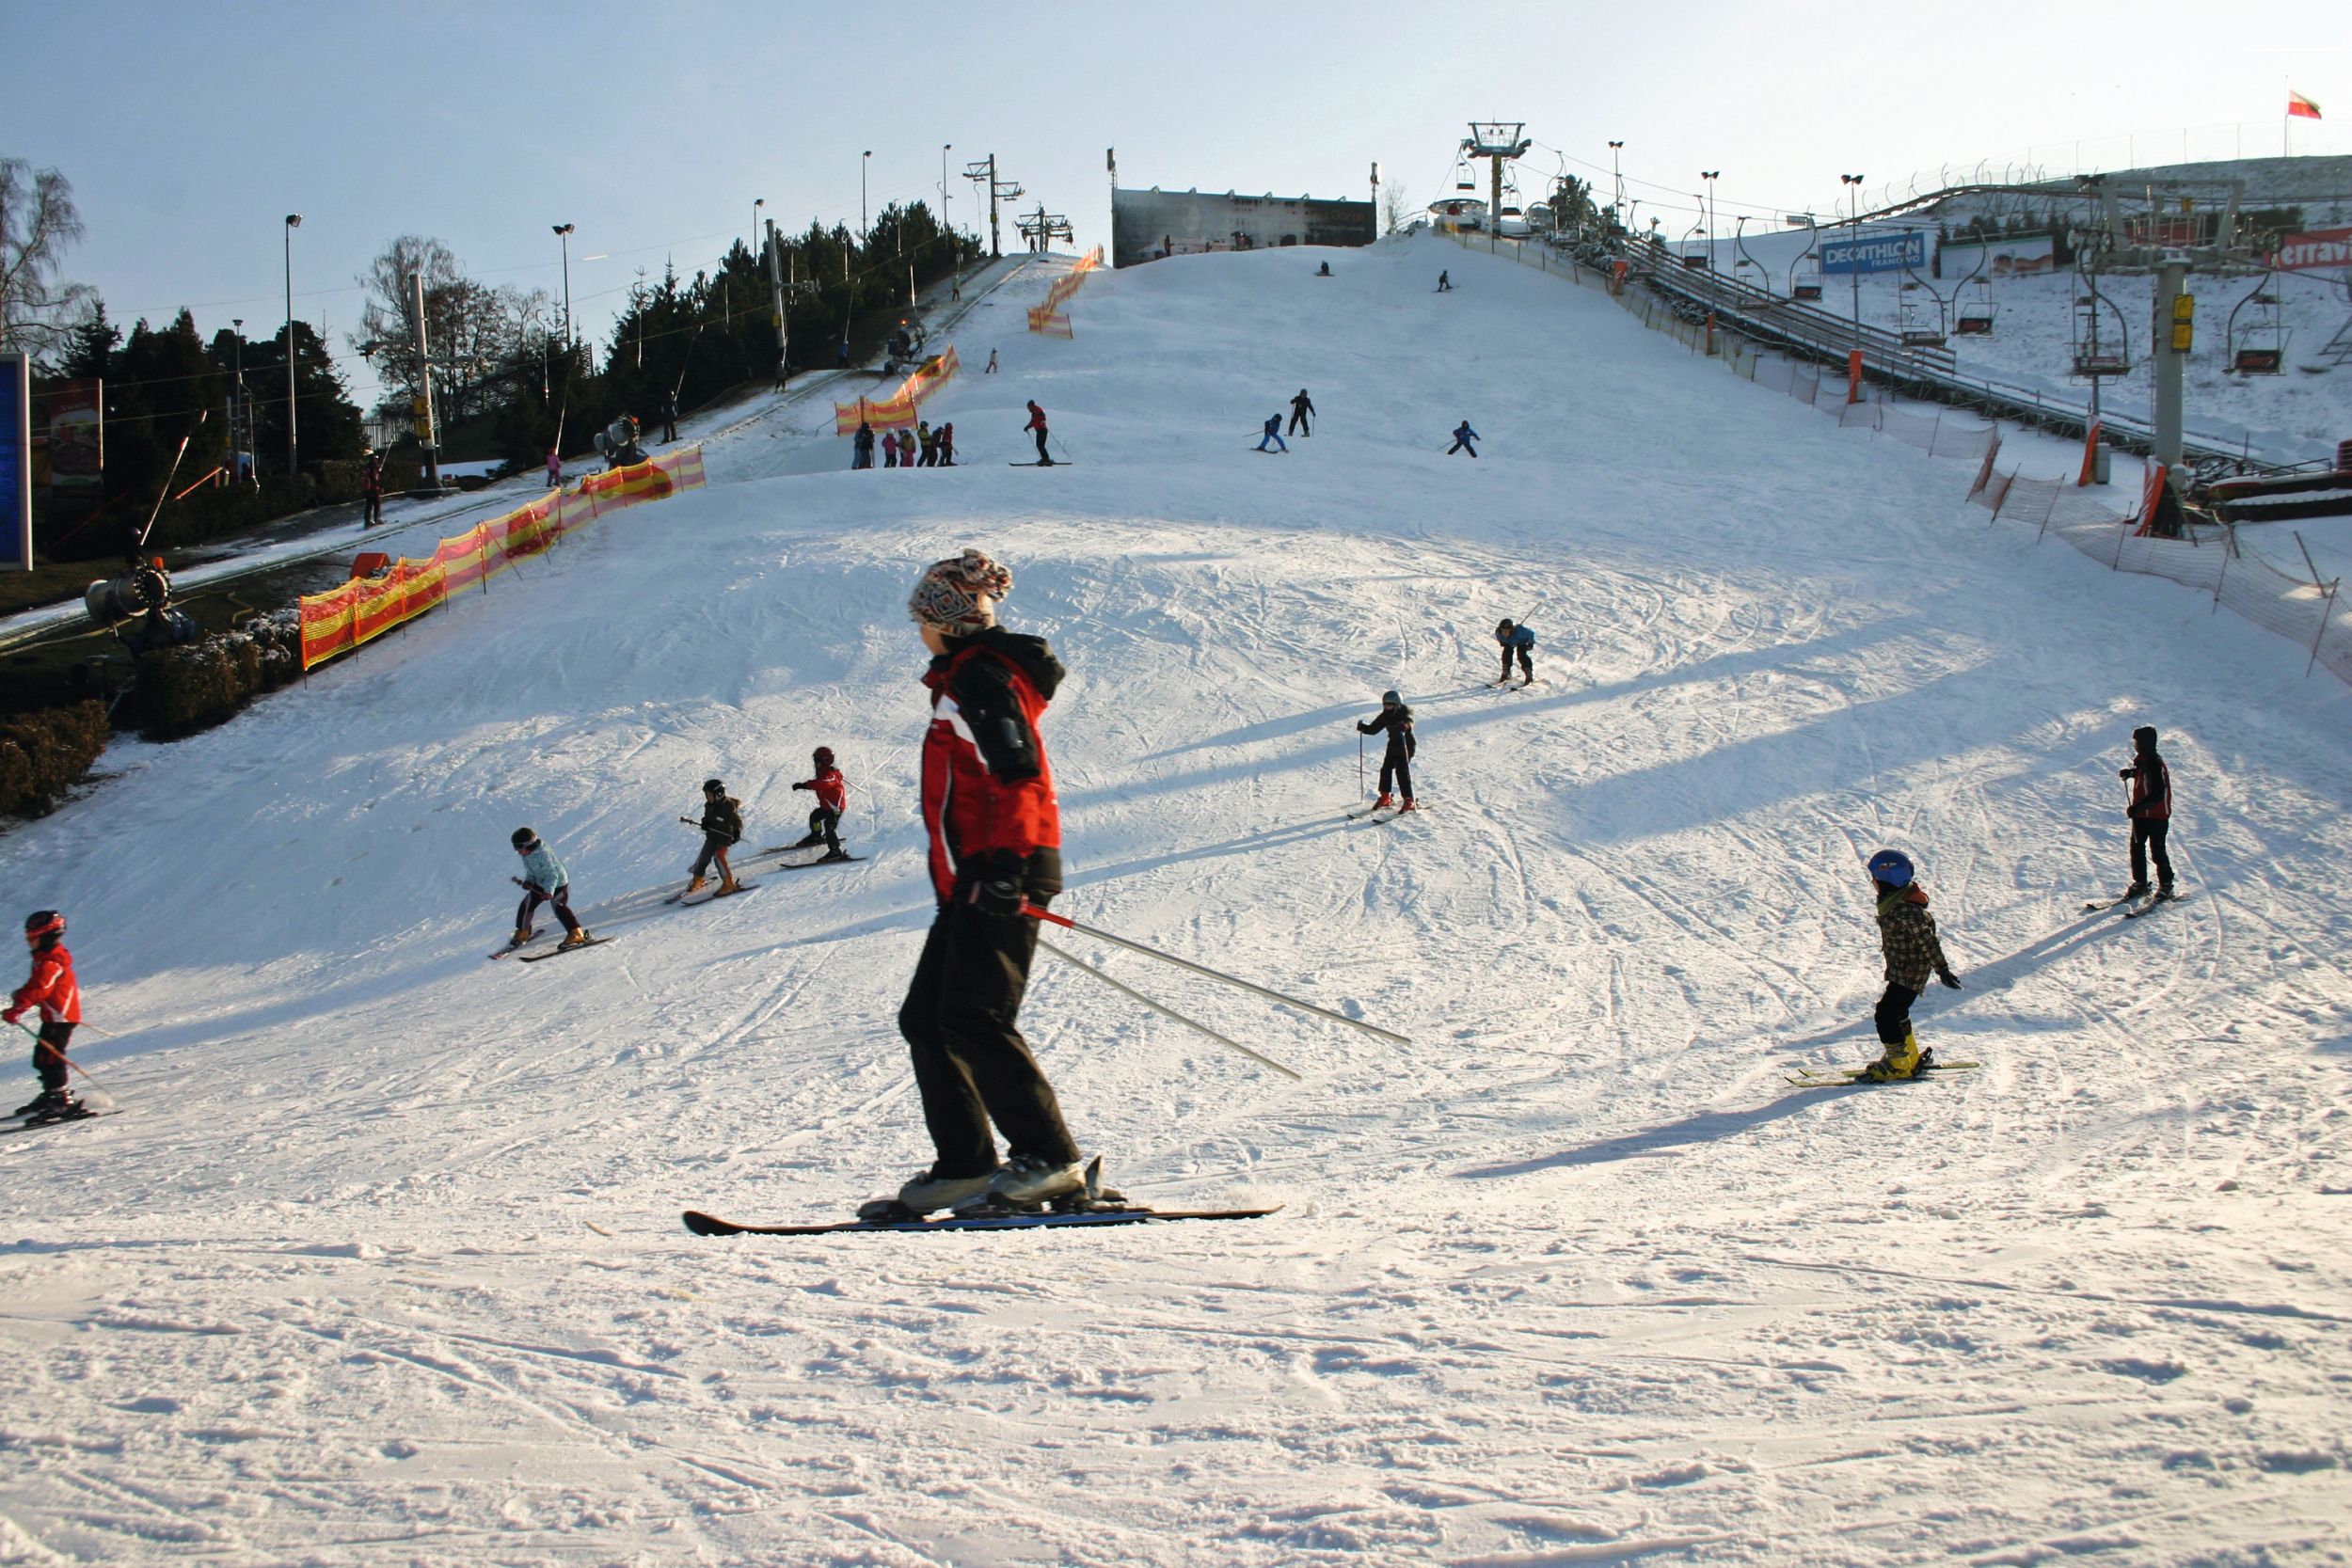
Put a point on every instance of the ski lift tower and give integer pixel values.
(1041, 228)
(1499, 142)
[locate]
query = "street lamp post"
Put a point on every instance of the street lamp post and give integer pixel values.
(564, 238)
(1854, 251)
(237, 441)
(864, 163)
(944, 148)
(1616, 186)
(1708, 175)
(294, 450)
(757, 202)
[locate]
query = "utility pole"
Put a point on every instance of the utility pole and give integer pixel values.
(1854, 253)
(775, 295)
(422, 404)
(293, 221)
(1375, 199)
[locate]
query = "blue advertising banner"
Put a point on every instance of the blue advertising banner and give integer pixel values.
(1875, 252)
(16, 460)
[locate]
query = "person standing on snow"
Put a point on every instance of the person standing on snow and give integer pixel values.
(991, 363)
(862, 447)
(1273, 433)
(555, 469)
(371, 488)
(543, 882)
(1515, 639)
(2150, 814)
(1445, 284)
(669, 418)
(890, 448)
(946, 440)
(1907, 938)
(1396, 763)
(53, 989)
(824, 822)
(1037, 424)
(1302, 406)
(996, 849)
(722, 829)
(926, 444)
(1463, 436)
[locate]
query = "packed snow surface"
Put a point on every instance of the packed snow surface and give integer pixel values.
(380, 1264)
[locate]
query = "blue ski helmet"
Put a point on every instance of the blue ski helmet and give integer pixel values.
(1891, 866)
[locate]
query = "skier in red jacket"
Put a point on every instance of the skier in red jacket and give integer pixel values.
(995, 846)
(1036, 425)
(55, 992)
(824, 822)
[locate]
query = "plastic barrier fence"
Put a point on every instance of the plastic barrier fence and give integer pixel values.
(1049, 318)
(341, 618)
(897, 411)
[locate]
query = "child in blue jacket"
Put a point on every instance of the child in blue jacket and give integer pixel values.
(1519, 640)
(1463, 436)
(543, 882)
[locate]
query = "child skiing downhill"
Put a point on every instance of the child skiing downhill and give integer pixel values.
(824, 822)
(1273, 433)
(722, 829)
(995, 847)
(2150, 813)
(1907, 935)
(53, 989)
(1037, 424)
(1396, 763)
(1463, 436)
(1519, 640)
(543, 882)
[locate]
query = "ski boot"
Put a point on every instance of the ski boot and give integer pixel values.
(56, 1105)
(33, 1105)
(577, 937)
(928, 1191)
(694, 886)
(1899, 1062)
(2137, 890)
(1385, 802)
(727, 884)
(522, 934)
(1406, 807)
(1030, 1180)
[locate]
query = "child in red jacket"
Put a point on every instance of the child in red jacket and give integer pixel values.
(824, 822)
(55, 992)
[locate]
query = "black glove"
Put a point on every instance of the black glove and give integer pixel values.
(520, 883)
(1950, 980)
(998, 895)
(2123, 773)
(800, 786)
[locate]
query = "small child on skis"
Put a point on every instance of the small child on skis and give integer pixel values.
(1908, 937)
(53, 989)
(1274, 433)
(543, 882)
(1396, 763)
(1519, 641)
(824, 821)
(2150, 814)
(1463, 436)
(723, 827)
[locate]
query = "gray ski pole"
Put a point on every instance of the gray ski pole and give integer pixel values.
(1068, 924)
(93, 1077)
(1169, 1012)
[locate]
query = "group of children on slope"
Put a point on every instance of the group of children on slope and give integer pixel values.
(919, 448)
(1395, 719)
(544, 881)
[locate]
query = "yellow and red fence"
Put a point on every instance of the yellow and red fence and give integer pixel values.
(341, 618)
(897, 411)
(1049, 318)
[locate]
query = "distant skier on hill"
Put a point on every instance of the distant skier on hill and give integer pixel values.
(371, 488)
(1907, 936)
(2150, 813)
(543, 882)
(1519, 640)
(54, 991)
(824, 820)
(1463, 436)
(1273, 433)
(722, 829)
(1037, 424)
(996, 849)
(1445, 284)
(1396, 763)
(1302, 406)
(991, 363)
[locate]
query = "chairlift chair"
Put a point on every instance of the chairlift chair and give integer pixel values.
(2258, 342)
(1973, 317)
(1804, 280)
(2100, 349)
(1912, 324)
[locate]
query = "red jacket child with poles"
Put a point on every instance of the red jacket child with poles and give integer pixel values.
(53, 990)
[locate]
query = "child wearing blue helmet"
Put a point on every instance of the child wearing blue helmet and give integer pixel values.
(1908, 937)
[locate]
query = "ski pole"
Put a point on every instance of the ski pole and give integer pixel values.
(1068, 924)
(1169, 1012)
(78, 1067)
(1359, 765)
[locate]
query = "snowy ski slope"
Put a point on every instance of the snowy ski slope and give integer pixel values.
(381, 1265)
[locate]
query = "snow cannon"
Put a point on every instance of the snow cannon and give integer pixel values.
(618, 444)
(142, 598)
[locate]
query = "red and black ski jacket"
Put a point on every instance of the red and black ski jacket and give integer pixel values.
(2151, 789)
(988, 791)
(51, 988)
(831, 789)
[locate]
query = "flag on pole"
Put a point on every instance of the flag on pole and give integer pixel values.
(2301, 107)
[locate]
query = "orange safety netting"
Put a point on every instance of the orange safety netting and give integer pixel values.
(341, 618)
(1047, 318)
(1052, 322)
(897, 411)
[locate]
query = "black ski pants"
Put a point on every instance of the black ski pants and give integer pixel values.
(1298, 422)
(49, 1055)
(971, 1065)
(1527, 666)
(372, 510)
(1893, 1013)
(825, 823)
(1396, 765)
(1461, 444)
(2147, 844)
(560, 900)
(715, 847)
(1042, 455)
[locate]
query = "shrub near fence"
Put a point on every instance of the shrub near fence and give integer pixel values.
(2314, 616)
(42, 755)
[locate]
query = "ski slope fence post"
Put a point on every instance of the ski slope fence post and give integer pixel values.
(1169, 1012)
(1234, 980)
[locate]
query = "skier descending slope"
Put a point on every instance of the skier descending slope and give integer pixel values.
(722, 829)
(995, 846)
(1908, 937)
(1037, 426)
(1396, 763)
(2150, 814)
(1519, 640)
(543, 882)
(53, 989)
(1273, 433)
(824, 820)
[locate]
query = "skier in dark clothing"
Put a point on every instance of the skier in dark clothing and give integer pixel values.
(996, 849)
(1037, 424)
(1907, 938)
(669, 418)
(824, 820)
(1519, 641)
(1445, 284)
(371, 488)
(1463, 436)
(56, 995)
(1273, 433)
(1302, 406)
(947, 445)
(863, 448)
(2150, 814)
(722, 829)
(1396, 763)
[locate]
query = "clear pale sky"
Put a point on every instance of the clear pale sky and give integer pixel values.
(189, 131)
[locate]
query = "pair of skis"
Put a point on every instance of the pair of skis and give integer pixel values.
(1840, 1077)
(82, 1112)
(2147, 905)
(1093, 1205)
(1382, 813)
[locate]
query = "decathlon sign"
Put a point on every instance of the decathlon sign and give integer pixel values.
(1875, 252)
